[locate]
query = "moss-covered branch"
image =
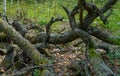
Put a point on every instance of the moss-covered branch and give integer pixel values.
(115, 40)
(23, 43)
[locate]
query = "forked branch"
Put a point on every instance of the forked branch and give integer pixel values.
(48, 25)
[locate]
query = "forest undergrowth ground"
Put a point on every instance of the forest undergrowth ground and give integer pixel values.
(68, 59)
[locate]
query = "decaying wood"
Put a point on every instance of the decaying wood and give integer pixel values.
(105, 37)
(90, 18)
(69, 36)
(97, 63)
(23, 43)
(20, 28)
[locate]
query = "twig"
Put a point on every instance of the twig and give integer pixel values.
(71, 17)
(80, 12)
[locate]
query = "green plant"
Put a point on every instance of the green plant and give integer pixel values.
(36, 72)
(42, 22)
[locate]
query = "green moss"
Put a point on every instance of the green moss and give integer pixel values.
(38, 58)
(46, 73)
(92, 53)
(2, 35)
(42, 61)
(36, 72)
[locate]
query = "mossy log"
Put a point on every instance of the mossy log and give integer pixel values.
(100, 68)
(23, 43)
(69, 36)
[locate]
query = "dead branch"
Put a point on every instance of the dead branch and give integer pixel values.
(80, 12)
(90, 18)
(98, 66)
(20, 28)
(48, 25)
(71, 17)
(108, 5)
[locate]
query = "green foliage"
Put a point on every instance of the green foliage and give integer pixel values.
(29, 1)
(115, 54)
(93, 53)
(42, 22)
(42, 11)
(36, 72)
(114, 57)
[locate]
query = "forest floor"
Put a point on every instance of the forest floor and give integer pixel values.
(69, 59)
(66, 60)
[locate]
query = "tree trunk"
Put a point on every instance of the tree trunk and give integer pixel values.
(4, 10)
(11, 2)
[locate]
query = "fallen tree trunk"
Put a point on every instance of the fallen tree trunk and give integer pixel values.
(115, 40)
(23, 43)
(69, 36)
